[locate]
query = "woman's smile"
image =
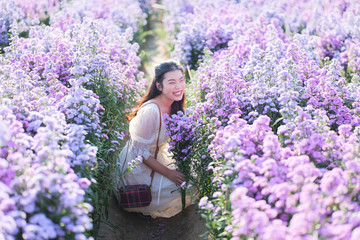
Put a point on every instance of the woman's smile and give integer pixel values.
(178, 93)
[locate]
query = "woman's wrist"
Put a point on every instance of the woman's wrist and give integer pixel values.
(167, 173)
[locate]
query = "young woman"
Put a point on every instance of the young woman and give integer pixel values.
(167, 94)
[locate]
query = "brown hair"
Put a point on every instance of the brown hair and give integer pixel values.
(153, 91)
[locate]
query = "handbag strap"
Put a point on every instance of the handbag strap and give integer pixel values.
(157, 146)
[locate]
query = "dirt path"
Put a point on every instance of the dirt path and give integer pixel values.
(187, 225)
(155, 46)
(128, 226)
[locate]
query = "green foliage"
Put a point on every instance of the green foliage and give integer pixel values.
(113, 116)
(46, 20)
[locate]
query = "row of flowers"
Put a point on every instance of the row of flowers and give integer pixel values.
(197, 25)
(270, 138)
(69, 71)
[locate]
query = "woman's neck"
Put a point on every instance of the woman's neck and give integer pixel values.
(164, 104)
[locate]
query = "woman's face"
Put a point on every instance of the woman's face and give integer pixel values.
(173, 85)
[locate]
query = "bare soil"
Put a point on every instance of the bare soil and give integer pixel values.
(187, 225)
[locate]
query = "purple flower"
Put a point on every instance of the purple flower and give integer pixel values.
(203, 201)
(216, 194)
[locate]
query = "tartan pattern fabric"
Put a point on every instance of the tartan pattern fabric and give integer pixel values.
(132, 196)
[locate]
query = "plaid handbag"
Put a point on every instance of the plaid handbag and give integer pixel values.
(135, 196)
(132, 196)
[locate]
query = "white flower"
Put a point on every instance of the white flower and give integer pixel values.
(5, 134)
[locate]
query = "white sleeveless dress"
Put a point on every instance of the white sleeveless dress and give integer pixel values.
(144, 130)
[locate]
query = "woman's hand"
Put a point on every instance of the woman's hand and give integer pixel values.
(175, 176)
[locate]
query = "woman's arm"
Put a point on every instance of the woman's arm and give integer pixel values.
(174, 175)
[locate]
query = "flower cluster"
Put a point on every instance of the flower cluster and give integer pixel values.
(190, 135)
(63, 96)
(273, 188)
(333, 25)
(8, 15)
(281, 99)
(43, 197)
(17, 17)
(201, 25)
(122, 13)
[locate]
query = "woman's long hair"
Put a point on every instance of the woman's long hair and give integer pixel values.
(153, 91)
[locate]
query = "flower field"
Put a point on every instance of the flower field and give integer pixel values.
(69, 72)
(270, 139)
